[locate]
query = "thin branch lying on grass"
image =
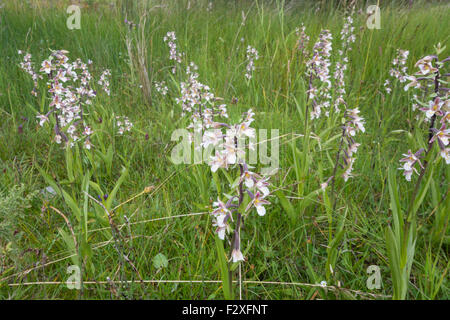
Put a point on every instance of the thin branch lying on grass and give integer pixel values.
(299, 284)
(155, 219)
(145, 191)
(69, 225)
(116, 236)
(158, 187)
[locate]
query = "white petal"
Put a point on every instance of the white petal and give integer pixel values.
(249, 183)
(237, 256)
(429, 113)
(261, 210)
(221, 233)
(264, 190)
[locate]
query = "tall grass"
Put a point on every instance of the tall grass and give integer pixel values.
(291, 243)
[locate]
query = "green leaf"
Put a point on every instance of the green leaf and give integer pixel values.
(96, 187)
(72, 204)
(70, 245)
(395, 204)
(224, 271)
(69, 163)
(286, 204)
(49, 180)
(394, 261)
(422, 193)
(86, 180)
(113, 193)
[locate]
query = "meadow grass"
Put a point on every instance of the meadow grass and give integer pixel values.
(278, 248)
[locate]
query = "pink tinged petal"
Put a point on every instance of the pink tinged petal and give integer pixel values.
(237, 256)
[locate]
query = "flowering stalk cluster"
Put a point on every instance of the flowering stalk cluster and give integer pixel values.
(28, 66)
(352, 121)
(302, 41)
(318, 71)
(436, 110)
(161, 87)
(123, 124)
(399, 69)
(347, 38)
(198, 101)
(70, 93)
(345, 157)
(229, 143)
(209, 8)
(353, 124)
(232, 154)
(170, 38)
(104, 81)
(252, 56)
(129, 23)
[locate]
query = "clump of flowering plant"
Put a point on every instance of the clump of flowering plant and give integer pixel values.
(435, 109)
(302, 41)
(327, 88)
(170, 38)
(347, 38)
(28, 66)
(252, 56)
(433, 96)
(104, 81)
(161, 87)
(229, 142)
(352, 122)
(70, 93)
(399, 69)
(318, 71)
(67, 105)
(199, 102)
